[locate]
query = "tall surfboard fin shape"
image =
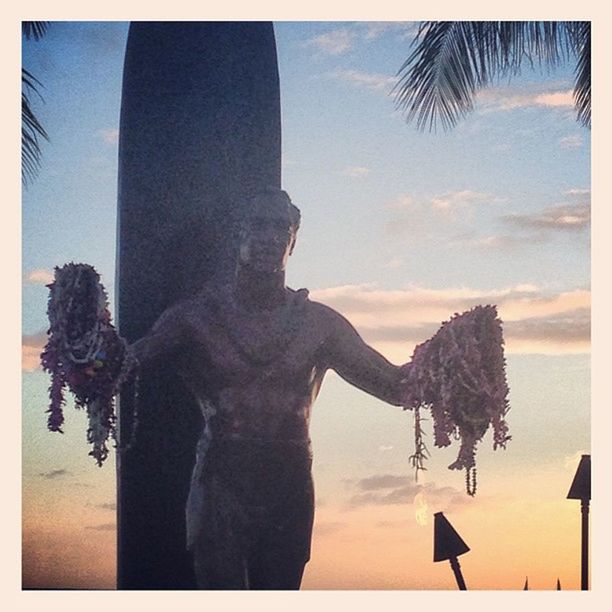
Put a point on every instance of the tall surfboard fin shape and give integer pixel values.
(199, 132)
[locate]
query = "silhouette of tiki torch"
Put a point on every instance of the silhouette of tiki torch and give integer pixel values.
(581, 489)
(449, 545)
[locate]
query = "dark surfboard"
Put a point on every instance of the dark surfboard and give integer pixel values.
(199, 132)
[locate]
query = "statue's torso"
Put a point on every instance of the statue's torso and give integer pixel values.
(256, 374)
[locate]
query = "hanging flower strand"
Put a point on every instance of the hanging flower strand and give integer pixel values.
(84, 353)
(459, 374)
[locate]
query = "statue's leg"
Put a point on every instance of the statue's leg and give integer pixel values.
(277, 570)
(219, 567)
(219, 550)
(278, 558)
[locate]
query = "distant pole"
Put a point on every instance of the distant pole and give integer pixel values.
(581, 489)
(526, 586)
(558, 584)
(448, 545)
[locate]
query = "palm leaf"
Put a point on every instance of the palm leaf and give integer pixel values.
(34, 29)
(31, 128)
(452, 60)
(580, 38)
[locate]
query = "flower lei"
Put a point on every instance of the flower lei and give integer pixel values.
(84, 353)
(459, 373)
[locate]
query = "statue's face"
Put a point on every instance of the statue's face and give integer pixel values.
(267, 238)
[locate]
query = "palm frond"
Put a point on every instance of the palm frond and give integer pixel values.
(453, 59)
(34, 29)
(580, 37)
(31, 129)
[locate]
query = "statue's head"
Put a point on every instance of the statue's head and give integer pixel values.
(269, 230)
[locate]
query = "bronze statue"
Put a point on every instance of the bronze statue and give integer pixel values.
(254, 354)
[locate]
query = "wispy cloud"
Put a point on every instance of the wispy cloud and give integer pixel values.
(571, 142)
(53, 474)
(507, 99)
(102, 527)
(535, 321)
(390, 489)
(104, 506)
(565, 217)
(109, 136)
(383, 481)
(500, 241)
(394, 264)
(335, 42)
(356, 171)
(458, 199)
(569, 217)
(40, 276)
(31, 348)
(364, 80)
(373, 30)
(345, 38)
(578, 192)
(328, 527)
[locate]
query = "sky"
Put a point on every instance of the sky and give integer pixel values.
(400, 230)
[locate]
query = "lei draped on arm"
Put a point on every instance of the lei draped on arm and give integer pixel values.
(84, 353)
(459, 374)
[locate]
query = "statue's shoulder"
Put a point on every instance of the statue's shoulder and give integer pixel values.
(329, 321)
(322, 313)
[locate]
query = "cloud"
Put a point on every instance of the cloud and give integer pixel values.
(356, 171)
(53, 474)
(102, 527)
(501, 241)
(390, 489)
(534, 320)
(109, 136)
(394, 264)
(364, 80)
(31, 348)
(40, 276)
(382, 481)
(507, 99)
(578, 192)
(341, 40)
(447, 202)
(454, 199)
(104, 506)
(565, 217)
(571, 216)
(335, 42)
(328, 527)
(375, 29)
(403, 202)
(571, 142)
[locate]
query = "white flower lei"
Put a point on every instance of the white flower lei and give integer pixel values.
(459, 374)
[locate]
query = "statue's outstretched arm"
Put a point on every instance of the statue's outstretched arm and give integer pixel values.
(168, 334)
(361, 365)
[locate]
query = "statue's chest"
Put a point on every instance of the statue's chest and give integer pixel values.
(242, 346)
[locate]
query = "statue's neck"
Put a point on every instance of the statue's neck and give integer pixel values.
(259, 290)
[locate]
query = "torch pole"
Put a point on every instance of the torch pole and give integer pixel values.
(584, 581)
(458, 575)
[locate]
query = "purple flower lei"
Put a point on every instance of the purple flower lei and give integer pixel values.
(459, 374)
(84, 353)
